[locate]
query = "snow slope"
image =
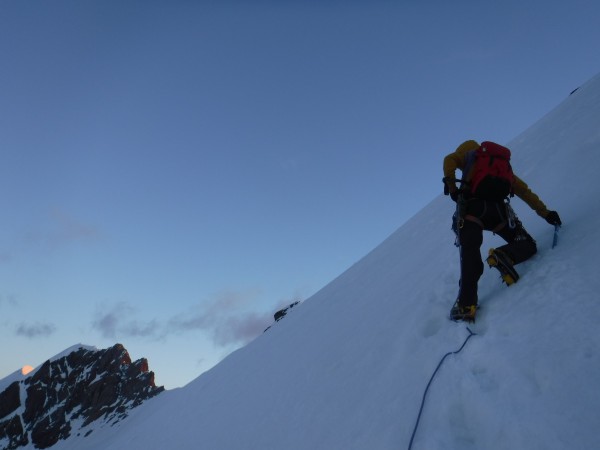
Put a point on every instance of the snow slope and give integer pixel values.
(347, 368)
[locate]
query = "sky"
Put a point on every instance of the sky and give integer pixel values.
(173, 172)
(382, 367)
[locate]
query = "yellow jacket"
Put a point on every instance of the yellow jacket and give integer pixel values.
(458, 160)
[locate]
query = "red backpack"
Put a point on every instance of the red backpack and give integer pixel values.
(492, 176)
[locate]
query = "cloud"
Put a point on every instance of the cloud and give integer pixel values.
(35, 330)
(225, 319)
(205, 315)
(241, 329)
(230, 318)
(8, 299)
(148, 329)
(224, 329)
(61, 229)
(117, 323)
(69, 228)
(106, 324)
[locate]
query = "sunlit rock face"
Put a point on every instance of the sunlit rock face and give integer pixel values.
(67, 394)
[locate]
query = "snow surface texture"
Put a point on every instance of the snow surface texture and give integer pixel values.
(347, 368)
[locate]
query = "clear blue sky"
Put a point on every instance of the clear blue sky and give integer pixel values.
(172, 172)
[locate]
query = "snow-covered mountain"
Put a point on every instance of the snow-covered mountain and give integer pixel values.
(78, 387)
(347, 368)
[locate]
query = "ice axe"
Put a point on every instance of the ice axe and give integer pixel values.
(555, 238)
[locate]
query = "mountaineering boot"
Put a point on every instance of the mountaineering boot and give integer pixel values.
(499, 260)
(465, 313)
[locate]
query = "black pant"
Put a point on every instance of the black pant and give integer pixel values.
(492, 216)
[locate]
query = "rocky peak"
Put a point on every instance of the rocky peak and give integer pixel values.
(70, 392)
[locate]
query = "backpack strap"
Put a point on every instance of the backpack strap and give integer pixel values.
(469, 162)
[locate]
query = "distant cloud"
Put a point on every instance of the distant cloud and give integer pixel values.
(225, 319)
(241, 329)
(62, 228)
(205, 314)
(229, 319)
(148, 329)
(8, 299)
(35, 330)
(224, 329)
(69, 228)
(106, 324)
(117, 323)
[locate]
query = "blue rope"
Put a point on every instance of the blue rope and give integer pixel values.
(429, 384)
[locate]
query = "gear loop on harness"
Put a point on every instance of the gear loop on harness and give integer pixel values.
(510, 214)
(458, 219)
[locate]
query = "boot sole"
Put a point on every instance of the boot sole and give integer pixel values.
(508, 274)
(466, 317)
(469, 319)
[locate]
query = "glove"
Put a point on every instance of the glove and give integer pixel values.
(454, 195)
(553, 219)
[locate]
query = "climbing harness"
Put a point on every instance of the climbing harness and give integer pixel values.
(458, 219)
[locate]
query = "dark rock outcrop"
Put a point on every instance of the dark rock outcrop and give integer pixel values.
(10, 399)
(83, 386)
(282, 312)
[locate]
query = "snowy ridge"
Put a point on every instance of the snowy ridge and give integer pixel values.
(72, 349)
(9, 379)
(74, 389)
(18, 375)
(347, 368)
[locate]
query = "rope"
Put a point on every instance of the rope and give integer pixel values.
(430, 381)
